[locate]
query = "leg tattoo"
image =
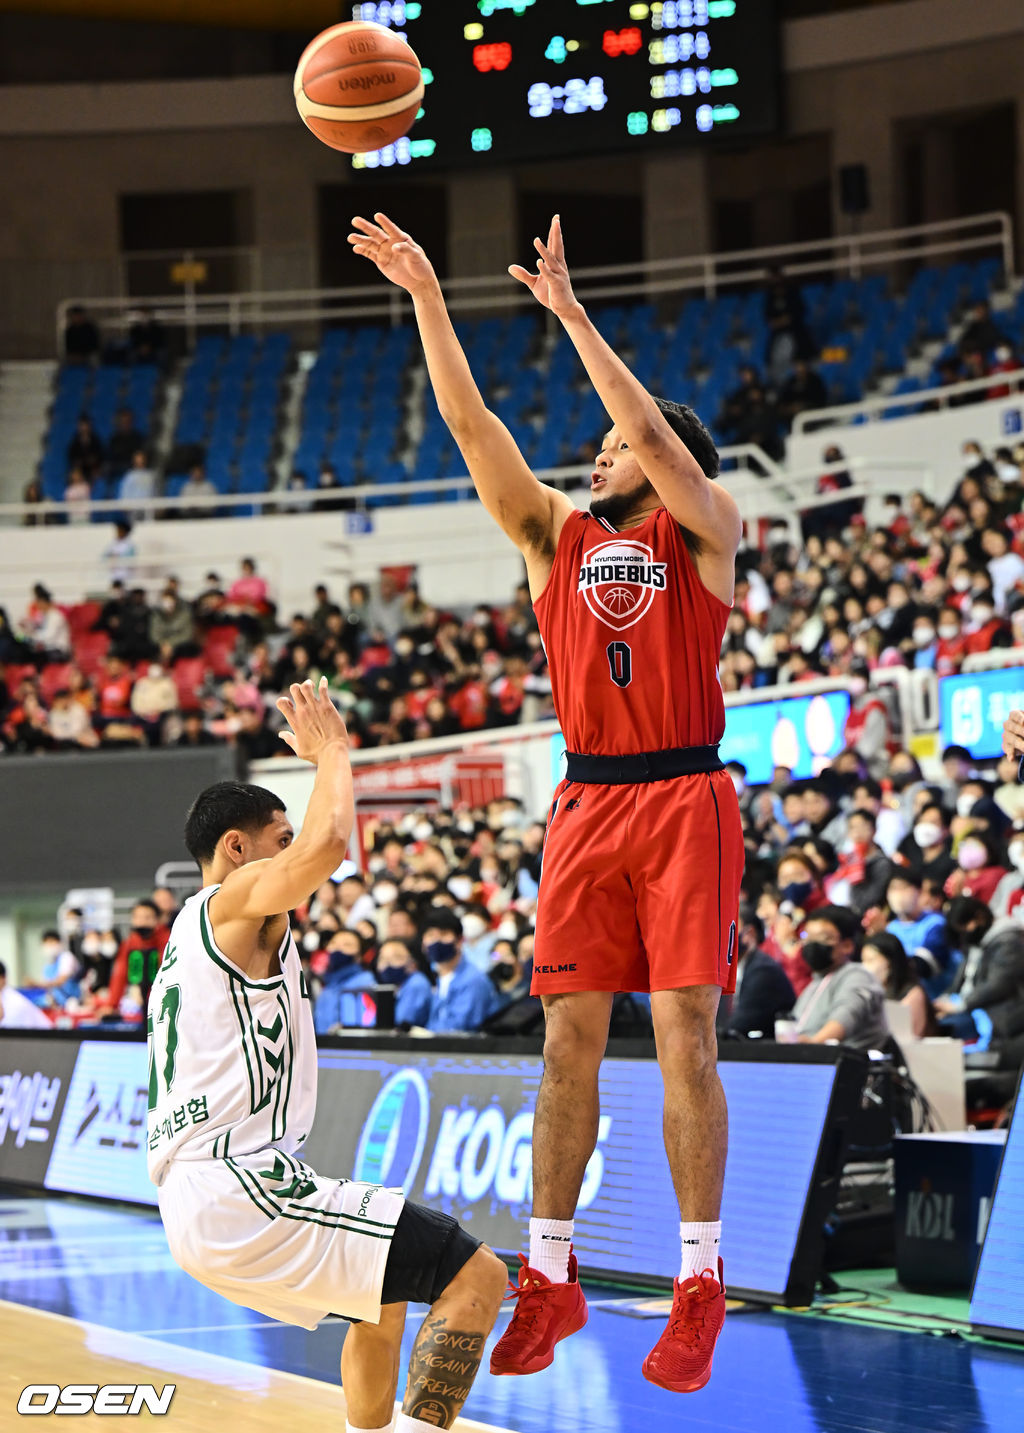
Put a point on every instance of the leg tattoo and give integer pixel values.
(442, 1368)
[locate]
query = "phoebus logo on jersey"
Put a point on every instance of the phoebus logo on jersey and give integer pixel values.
(618, 581)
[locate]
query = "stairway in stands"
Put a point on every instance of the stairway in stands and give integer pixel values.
(26, 393)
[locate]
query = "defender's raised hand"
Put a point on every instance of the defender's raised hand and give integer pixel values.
(315, 721)
(396, 254)
(550, 285)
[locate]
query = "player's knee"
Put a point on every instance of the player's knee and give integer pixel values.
(571, 1046)
(480, 1284)
(688, 1051)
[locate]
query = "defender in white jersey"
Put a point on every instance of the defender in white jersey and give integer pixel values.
(232, 1094)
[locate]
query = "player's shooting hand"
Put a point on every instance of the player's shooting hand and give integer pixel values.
(315, 721)
(396, 254)
(1013, 734)
(550, 285)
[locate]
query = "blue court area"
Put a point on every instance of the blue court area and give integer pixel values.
(110, 1266)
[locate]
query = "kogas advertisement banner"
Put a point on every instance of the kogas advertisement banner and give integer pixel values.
(973, 707)
(454, 1130)
(803, 733)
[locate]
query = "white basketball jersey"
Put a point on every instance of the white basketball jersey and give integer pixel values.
(232, 1060)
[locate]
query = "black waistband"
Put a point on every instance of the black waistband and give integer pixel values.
(641, 766)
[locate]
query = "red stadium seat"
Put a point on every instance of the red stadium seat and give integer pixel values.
(82, 616)
(188, 674)
(53, 678)
(90, 648)
(16, 672)
(217, 649)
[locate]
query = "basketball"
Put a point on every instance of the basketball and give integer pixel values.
(358, 86)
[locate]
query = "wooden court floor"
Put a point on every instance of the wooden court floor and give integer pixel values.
(211, 1392)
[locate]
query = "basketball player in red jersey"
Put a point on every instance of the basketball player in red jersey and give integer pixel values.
(643, 854)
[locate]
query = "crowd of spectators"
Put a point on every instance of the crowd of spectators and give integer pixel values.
(857, 891)
(926, 587)
(443, 914)
(196, 671)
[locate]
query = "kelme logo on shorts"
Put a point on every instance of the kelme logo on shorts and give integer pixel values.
(618, 580)
(394, 1133)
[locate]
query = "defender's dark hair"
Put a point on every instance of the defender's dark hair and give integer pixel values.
(227, 806)
(686, 425)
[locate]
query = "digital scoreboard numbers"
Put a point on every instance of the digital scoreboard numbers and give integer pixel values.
(516, 80)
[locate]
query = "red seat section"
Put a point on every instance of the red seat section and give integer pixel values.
(53, 678)
(90, 648)
(188, 674)
(217, 649)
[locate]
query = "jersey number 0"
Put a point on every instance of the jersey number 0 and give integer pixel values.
(620, 663)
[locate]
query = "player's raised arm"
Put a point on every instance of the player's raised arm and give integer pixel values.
(529, 512)
(680, 482)
(270, 887)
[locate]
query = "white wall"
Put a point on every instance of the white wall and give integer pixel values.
(461, 556)
(934, 439)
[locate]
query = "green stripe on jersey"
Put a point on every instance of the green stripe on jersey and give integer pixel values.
(326, 1218)
(218, 959)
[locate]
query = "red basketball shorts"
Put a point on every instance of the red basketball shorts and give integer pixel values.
(640, 886)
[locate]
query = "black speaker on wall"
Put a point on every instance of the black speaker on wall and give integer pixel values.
(854, 191)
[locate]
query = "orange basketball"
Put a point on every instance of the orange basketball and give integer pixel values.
(358, 86)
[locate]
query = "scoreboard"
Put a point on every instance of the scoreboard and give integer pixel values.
(518, 80)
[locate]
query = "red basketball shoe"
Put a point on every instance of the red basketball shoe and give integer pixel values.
(681, 1359)
(545, 1312)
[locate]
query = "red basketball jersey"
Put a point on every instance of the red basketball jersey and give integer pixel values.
(633, 639)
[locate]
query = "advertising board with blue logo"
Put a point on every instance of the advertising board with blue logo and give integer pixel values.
(454, 1130)
(803, 733)
(973, 707)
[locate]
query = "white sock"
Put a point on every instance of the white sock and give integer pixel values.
(550, 1243)
(699, 1248)
(405, 1424)
(351, 1428)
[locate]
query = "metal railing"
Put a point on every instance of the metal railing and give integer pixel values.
(892, 404)
(761, 488)
(704, 274)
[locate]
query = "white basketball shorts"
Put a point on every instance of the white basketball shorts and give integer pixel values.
(266, 1231)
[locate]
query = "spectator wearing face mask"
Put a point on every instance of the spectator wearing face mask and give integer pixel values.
(923, 934)
(926, 851)
(138, 958)
(96, 952)
(843, 1002)
(1007, 898)
(986, 629)
(478, 937)
(463, 997)
(509, 974)
(59, 981)
(925, 639)
(986, 1002)
(951, 647)
(396, 965)
(980, 868)
(344, 979)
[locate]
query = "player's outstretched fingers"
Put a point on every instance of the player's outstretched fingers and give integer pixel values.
(391, 229)
(368, 229)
